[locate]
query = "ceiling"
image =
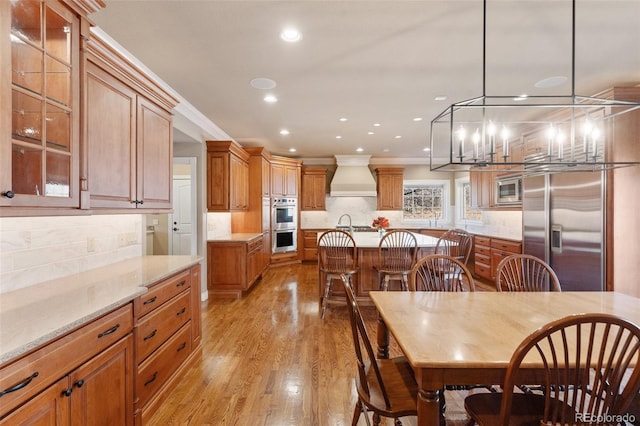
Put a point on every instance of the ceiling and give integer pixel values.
(370, 62)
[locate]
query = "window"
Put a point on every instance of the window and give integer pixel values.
(426, 200)
(465, 211)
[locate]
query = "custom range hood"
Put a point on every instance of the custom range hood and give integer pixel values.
(353, 177)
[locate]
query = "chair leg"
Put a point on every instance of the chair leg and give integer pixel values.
(356, 413)
(327, 290)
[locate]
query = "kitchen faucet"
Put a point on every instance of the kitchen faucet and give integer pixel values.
(340, 222)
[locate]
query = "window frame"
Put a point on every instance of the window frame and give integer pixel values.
(446, 199)
(460, 207)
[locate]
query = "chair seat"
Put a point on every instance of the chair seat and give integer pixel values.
(526, 410)
(401, 386)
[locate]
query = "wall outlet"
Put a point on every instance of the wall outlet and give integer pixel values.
(154, 222)
(91, 245)
(122, 240)
(131, 238)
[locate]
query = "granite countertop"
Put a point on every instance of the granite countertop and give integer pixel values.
(35, 315)
(372, 240)
(236, 237)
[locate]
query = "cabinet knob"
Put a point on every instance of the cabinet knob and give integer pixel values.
(67, 392)
(79, 383)
(9, 194)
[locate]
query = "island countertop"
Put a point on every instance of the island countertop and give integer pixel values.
(372, 240)
(35, 315)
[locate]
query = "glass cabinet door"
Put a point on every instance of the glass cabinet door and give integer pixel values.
(44, 93)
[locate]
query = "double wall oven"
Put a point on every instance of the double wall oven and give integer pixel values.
(284, 222)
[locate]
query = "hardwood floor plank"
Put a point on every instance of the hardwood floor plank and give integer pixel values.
(268, 359)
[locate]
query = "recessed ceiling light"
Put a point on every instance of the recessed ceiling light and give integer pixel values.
(292, 150)
(549, 82)
(376, 124)
(263, 83)
(398, 136)
(385, 150)
(338, 137)
(521, 97)
(270, 99)
(370, 133)
(359, 149)
(427, 149)
(440, 98)
(284, 132)
(417, 119)
(343, 119)
(290, 35)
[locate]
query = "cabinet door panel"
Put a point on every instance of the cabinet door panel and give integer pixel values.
(155, 156)
(49, 408)
(102, 389)
(111, 133)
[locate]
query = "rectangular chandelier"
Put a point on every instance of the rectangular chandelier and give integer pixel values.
(536, 133)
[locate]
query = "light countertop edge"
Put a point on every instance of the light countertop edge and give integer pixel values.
(235, 237)
(36, 315)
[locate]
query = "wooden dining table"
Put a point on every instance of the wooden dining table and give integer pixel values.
(467, 338)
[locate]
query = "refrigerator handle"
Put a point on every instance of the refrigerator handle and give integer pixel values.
(556, 238)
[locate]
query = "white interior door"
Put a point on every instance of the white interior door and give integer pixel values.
(182, 223)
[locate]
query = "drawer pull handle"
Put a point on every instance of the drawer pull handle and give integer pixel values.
(153, 299)
(182, 311)
(181, 347)
(109, 331)
(153, 333)
(151, 379)
(20, 385)
(181, 283)
(79, 383)
(67, 392)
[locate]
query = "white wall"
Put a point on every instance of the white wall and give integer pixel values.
(35, 249)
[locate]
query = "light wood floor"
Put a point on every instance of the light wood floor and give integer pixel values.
(268, 359)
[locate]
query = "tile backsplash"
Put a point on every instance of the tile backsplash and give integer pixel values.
(36, 249)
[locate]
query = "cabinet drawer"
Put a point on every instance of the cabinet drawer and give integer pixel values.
(482, 270)
(255, 245)
(482, 241)
(42, 367)
(156, 327)
(153, 372)
(504, 245)
(482, 258)
(161, 292)
(482, 250)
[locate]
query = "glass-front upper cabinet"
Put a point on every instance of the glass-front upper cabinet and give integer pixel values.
(44, 103)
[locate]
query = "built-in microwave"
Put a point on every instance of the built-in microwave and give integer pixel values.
(509, 190)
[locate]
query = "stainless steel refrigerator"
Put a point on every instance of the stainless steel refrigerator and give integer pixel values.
(563, 224)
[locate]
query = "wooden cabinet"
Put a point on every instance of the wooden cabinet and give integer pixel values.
(390, 188)
(501, 249)
(482, 256)
(314, 192)
(128, 134)
(227, 177)
(85, 377)
(285, 174)
(310, 244)
(488, 252)
(482, 184)
(40, 102)
(234, 266)
(166, 335)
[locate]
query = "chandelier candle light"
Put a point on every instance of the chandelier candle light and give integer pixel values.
(574, 128)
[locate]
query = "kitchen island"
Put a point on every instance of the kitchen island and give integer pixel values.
(366, 279)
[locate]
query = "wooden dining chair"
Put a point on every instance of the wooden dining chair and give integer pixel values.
(336, 257)
(440, 272)
(523, 272)
(387, 387)
(590, 367)
(397, 252)
(456, 243)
